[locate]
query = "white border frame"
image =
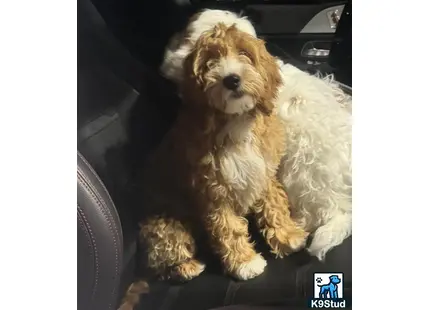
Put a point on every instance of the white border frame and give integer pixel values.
(38, 52)
(390, 154)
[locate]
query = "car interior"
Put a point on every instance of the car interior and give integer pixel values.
(125, 107)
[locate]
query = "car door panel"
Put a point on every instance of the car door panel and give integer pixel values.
(297, 30)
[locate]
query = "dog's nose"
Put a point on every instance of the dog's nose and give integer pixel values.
(231, 81)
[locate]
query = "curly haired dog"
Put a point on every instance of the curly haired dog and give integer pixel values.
(221, 156)
(218, 163)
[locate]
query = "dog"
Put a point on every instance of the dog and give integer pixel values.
(182, 43)
(222, 154)
(316, 171)
(218, 164)
(330, 288)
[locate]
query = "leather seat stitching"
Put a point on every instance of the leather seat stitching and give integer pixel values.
(103, 208)
(94, 246)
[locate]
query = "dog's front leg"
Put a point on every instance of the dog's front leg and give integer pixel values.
(230, 239)
(282, 234)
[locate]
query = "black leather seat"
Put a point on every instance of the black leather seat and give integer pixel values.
(100, 242)
(118, 122)
(124, 108)
(109, 81)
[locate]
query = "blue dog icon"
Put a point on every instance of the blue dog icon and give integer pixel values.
(330, 288)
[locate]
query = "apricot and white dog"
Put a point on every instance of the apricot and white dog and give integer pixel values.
(316, 170)
(218, 165)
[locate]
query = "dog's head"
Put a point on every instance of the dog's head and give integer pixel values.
(231, 71)
(334, 279)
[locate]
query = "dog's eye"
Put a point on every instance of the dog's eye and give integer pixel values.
(210, 64)
(245, 54)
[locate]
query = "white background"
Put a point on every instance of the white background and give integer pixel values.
(326, 280)
(38, 154)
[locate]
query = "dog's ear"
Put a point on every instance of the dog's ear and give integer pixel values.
(192, 80)
(191, 66)
(195, 65)
(269, 70)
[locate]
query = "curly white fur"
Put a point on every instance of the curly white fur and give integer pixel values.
(317, 170)
(181, 44)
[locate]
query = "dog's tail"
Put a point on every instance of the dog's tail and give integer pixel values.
(132, 296)
(331, 234)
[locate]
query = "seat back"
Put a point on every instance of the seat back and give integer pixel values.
(100, 242)
(124, 108)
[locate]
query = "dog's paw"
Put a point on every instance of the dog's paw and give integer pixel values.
(285, 241)
(251, 269)
(297, 239)
(187, 270)
(317, 251)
